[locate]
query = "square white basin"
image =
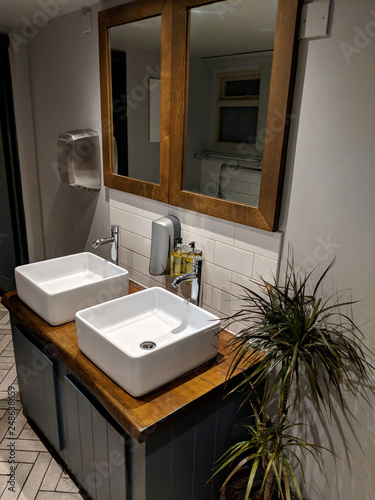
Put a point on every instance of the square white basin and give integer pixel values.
(57, 288)
(146, 339)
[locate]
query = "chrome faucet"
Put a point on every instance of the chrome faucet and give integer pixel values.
(196, 277)
(114, 239)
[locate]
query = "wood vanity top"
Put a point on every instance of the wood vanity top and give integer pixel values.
(139, 417)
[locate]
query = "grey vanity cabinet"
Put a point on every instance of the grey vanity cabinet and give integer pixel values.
(95, 447)
(86, 437)
(176, 460)
(36, 373)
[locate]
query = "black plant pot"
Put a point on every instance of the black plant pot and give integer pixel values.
(235, 489)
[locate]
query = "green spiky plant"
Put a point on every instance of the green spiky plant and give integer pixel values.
(294, 337)
(269, 446)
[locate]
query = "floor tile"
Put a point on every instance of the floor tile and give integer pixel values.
(4, 423)
(67, 485)
(27, 457)
(31, 487)
(48, 495)
(5, 365)
(23, 445)
(4, 468)
(4, 342)
(4, 396)
(52, 476)
(3, 484)
(4, 404)
(16, 429)
(28, 434)
(22, 472)
(4, 318)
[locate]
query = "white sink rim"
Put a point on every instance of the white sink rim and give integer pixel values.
(57, 288)
(141, 371)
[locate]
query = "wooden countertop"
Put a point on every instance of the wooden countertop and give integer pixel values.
(137, 416)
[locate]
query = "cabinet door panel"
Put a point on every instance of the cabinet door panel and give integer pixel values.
(119, 467)
(87, 444)
(102, 466)
(71, 428)
(102, 446)
(38, 388)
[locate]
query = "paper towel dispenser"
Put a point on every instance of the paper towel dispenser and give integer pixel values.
(78, 159)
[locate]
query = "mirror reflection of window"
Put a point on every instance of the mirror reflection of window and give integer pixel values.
(139, 42)
(230, 59)
(237, 107)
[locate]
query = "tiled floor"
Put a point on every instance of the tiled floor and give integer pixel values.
(37, 474)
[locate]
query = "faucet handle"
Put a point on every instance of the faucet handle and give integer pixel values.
(198, 266)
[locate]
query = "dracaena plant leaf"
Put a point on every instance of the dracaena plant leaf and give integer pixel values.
(294, 339)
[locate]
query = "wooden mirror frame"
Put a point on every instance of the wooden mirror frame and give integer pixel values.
(174, 91)
(123, 14)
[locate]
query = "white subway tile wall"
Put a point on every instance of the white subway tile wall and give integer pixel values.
(237, 184)
(233, 253)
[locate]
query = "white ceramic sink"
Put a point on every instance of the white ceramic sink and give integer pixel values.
(57, 288)
(176, 336)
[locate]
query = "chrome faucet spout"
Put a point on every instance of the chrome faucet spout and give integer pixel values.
(196, 278)
(102, 241)
(183, 277)
(114, 240)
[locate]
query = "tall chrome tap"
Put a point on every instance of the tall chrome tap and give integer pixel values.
(114, 240)
(196, 278)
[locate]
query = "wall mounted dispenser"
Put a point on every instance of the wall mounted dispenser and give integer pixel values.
(164, 234)
(78, 159)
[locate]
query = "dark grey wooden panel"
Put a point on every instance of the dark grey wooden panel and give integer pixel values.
(24, 372)
(117, 463)
(205, 451)
(37, 376)
(38, 364)
(50, 388)
(137, 461)
(87, 444)
(159, 465)
(61, 372)
(230, 420)
(102, 469)
(183, 458)
(71, 428)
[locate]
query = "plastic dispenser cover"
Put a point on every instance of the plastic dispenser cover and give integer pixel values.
(78, 159)
(164, 233)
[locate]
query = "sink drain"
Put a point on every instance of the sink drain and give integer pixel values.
(147, 345)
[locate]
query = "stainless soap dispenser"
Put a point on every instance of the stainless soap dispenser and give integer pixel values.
(164, 235)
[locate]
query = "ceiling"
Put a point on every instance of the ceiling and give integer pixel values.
(216, 29)
(16, 13)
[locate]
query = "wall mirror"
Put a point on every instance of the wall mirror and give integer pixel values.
(230, 59)
(135, 62)
(195, 98)
(135, 68)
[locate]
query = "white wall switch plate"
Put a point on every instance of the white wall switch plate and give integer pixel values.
(314, 20)
(86, 21)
